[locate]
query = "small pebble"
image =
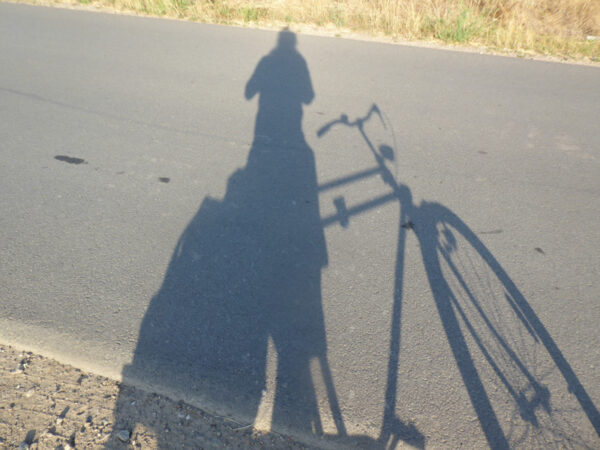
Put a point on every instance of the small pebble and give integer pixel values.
(123, 435)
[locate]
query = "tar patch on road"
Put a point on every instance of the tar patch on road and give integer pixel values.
(491, 232)
(70, 159)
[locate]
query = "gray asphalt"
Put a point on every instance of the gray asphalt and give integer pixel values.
(421, 271)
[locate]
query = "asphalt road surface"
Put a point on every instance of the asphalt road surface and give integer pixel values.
(358, 243)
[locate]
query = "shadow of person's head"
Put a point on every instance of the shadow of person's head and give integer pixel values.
(282, 82)
(286, 41)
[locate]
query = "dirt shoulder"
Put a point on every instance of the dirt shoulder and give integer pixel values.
(46, 404)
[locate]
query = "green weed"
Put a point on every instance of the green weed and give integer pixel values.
(461, 28)
(336, 16)
(181, 6)
(252, 13)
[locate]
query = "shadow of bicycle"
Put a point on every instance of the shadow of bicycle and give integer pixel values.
(495, 336)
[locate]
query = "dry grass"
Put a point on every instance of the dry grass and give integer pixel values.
(548, 27)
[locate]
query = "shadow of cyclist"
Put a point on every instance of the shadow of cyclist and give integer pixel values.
(248, 269)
